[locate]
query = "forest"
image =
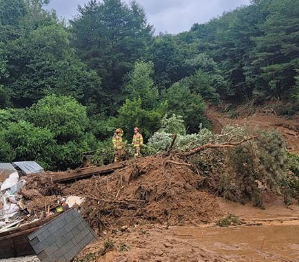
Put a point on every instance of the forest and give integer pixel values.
(66, 86)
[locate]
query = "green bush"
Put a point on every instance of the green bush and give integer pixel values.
(29, 142)
(62, 115)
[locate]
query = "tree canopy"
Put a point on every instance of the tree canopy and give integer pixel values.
(64, 87)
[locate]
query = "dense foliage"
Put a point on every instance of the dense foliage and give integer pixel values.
(65, 88)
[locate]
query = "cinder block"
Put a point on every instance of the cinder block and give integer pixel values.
(60, 232)
(62, 238)
(32, 235)
(60, 224)
(53, 228)
(76, 230)
(34, 241)
(69, 255)
(61, 259)
(68, 227)
(82, 226)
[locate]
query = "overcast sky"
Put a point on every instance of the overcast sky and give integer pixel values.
(172, 16)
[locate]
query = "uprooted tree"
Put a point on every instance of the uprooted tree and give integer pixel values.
(177, 186)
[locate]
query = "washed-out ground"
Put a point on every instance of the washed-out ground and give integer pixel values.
(265, 235)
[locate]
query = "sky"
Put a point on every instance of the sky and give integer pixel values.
(171, 16)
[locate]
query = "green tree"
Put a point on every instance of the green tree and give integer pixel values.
(141, 85)
(62, 115)
(202, 83)
(7, 153)
(4, 97)
(110, 36)
(28, 142)
(168, 60)
(44, 63)
(132, 114)
(12, 11)
(276, 52)
(190, 105)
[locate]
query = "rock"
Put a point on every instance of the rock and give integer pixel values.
(158, 253)
(168, 245)
(122, 259)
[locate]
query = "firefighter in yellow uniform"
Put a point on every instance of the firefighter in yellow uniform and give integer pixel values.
(137, 141)
(118, 144)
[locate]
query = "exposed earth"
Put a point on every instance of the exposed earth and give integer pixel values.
(265, 235)
(157, 209)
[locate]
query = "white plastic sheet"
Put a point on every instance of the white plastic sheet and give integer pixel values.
(10, 182)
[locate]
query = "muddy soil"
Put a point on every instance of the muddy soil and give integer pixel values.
(157, 209)
(289, 128)
(269, 235)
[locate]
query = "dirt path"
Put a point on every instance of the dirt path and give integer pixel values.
(288, 128)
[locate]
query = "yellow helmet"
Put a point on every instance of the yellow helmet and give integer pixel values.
(119, 131)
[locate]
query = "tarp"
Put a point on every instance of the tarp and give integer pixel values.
(29, 167)
(5, 170)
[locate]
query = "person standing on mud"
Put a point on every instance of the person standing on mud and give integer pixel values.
(137, 142)
(117, 142)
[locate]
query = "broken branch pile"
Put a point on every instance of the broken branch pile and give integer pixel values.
(175, 189)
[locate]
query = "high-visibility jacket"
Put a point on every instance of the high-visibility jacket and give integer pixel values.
(137, 140)
(117, 141)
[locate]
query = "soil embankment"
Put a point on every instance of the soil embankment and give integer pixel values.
(288, 128)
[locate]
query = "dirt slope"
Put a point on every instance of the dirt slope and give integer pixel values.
(289, 129)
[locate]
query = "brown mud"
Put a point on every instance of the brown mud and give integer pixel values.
(158, 209)
(288, 128)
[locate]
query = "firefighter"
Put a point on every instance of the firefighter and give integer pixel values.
(137, 142)
(118, 144)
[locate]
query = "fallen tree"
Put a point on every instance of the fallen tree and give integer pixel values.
(176, 187)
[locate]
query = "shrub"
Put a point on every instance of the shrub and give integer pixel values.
(229, 220)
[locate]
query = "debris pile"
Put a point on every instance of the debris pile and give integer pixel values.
(147, 190)
(12, 180)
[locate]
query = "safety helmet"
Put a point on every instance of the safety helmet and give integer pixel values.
(136, 128)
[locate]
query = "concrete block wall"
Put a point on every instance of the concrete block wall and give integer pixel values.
(62, 238)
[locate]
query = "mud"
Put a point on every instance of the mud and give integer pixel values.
(158, 209)
(148, 243)
(288, 128)
(275, 243)
(147, 191)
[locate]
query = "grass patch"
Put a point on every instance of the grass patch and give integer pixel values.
(229, 220)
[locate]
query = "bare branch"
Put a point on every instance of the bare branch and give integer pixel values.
(223, 145)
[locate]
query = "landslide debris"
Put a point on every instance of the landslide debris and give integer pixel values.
(146, 190)
(176, 188)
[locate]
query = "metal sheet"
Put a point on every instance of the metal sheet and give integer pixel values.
(29, 167)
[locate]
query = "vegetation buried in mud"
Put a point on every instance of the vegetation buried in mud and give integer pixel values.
(229, 220)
